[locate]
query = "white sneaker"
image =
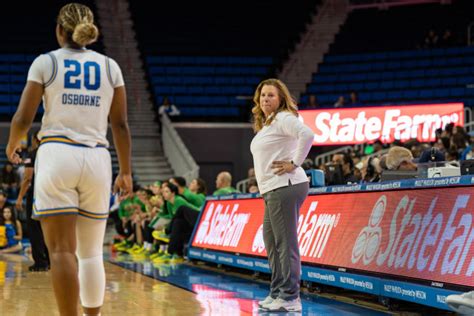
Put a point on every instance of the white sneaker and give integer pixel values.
(266, 301)
(462, 304)
(281, 305)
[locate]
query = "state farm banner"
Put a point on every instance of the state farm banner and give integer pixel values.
(387, 123)
(424, 234)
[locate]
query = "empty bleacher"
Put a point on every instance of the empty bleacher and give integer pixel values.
(444, 74)
(207, 86)
(388, 64)
(29, 32)
(209, 57)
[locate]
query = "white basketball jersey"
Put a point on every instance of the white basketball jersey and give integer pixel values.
(78, 90)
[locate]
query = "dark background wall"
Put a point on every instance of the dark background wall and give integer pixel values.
(219, 149)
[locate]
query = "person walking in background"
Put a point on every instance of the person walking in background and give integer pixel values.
(81, 90)
(38, 247)
(279, 147)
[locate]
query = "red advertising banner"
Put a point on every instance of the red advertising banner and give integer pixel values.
(387, 123)
(424, 233)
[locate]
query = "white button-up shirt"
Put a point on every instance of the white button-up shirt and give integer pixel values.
(285, 139)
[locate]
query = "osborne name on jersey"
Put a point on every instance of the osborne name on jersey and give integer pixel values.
(81, 99)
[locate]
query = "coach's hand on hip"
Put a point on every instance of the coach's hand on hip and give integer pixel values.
(282, 167)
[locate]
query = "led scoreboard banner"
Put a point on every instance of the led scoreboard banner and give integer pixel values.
(361, 125)
(411, 238)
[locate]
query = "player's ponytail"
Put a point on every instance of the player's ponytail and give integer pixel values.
(77, 20)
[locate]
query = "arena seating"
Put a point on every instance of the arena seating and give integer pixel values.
(213, 71)
(207, 86)
(389, 64)
(413, 76)
(26, 39)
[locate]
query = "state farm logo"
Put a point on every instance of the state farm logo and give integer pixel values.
(368, 241)
(334, 127)
(258, 243)
(222, 226)
(427, 237)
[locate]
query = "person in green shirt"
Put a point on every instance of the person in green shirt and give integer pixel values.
(198, 186)
(129, 205)
(191, 197)
(223, 184)
(174, 200)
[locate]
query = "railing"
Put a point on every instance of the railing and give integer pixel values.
(242, 185)
(386, 4)
(178, 155)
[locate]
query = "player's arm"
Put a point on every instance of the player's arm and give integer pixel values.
(122, 140)
(24, 116)
(19, 231)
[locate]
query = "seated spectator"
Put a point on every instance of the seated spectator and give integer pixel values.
(251, 173)
(12, 230)
(447, 39)
(312, 102)
(354, 99)
(431, 39)
(252, 186)
(347, 164)
(459, 143)
(371, 169)
(9, 180)
(3, 199)
(432, 155)
(168, 108)
(340, 102)
(191, 197)
(224, 184)
(377, 145)
(452, 155)
(184, 216)
(199, 187)
(448, 130)
(443, 144)
(400, 158)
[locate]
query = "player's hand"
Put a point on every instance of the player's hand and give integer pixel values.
(12, 153)
(282, 167)
(19, 205)
(123, 185)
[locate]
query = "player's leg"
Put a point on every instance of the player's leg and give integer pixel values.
(94, 196)
(90, 238)
(60, 236)
(56, 206)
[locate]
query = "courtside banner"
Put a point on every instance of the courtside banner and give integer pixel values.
(387, 123)
(421, 233)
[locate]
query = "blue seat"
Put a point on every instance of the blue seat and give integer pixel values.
(417, 83)
(457, 92)
(427, 94)
(410, 94)
(386, 85)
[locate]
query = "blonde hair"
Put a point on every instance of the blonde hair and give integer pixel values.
(396, 156)
(77, 20)
(287, 103)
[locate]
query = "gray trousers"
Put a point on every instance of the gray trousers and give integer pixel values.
(280, 225)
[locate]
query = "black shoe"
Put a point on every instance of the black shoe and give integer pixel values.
(35, 268)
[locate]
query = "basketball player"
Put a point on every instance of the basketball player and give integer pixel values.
(80, 90)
